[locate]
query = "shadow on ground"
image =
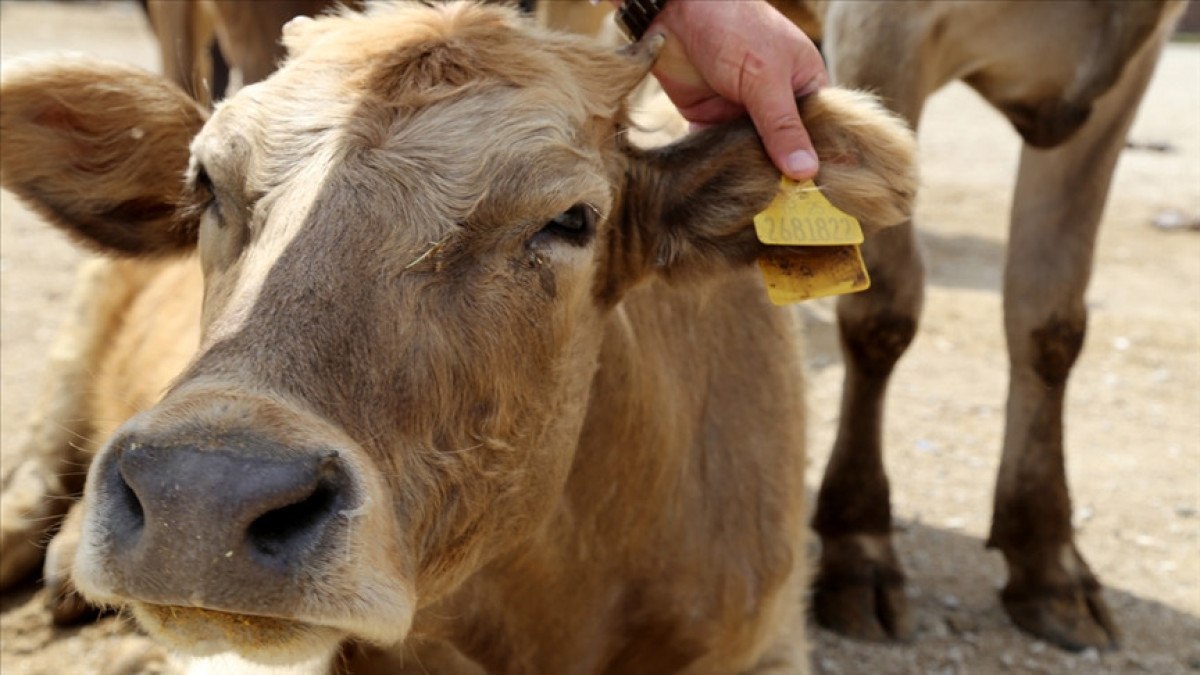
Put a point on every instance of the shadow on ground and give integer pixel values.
(961, 628)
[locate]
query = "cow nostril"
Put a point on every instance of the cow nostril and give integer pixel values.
(132, 506)
(126, 515)
(288, 530)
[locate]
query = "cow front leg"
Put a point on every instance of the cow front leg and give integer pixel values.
(859, 587)
(54, 450)
(1060, 195)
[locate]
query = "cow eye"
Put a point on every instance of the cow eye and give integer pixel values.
(576, 225)
(203, 180)
(206, 193)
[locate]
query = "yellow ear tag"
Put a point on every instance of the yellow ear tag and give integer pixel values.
(797, 273)
(801, 216)
(818, 251)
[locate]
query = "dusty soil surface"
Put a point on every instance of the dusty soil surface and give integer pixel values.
(1133, 411)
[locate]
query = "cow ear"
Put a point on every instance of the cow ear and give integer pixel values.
(100, 150)
(688, 208)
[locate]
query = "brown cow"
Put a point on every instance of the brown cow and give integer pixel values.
(473, 372)
(200, 40)
(1069, 76)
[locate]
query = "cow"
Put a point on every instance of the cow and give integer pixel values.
(1069, 77)
(448, 362)
(199, 41)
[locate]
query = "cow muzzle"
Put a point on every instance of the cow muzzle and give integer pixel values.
(231, 526)
(233, 520)
(222, 543)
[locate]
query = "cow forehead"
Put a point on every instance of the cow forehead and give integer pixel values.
(446, 105)
(411, 54)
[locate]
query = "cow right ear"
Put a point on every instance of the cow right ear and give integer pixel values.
(101, 150)
(688, 207)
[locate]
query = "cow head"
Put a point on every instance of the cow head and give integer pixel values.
(412, 236)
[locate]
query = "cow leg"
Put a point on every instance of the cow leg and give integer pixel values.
(67, 607)
(859, 585)
(1060, 196)
(52, 453)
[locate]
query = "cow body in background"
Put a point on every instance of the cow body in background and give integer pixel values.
(200, 41)
(1069, 76)
(472, 373)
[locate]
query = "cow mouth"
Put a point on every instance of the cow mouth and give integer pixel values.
(266, 639)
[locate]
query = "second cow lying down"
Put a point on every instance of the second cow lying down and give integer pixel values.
(471, 373)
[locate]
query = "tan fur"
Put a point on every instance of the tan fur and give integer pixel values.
(570, 456)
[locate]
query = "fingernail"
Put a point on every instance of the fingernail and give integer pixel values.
(801, 164)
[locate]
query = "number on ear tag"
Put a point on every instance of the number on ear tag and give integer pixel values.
(801, 216)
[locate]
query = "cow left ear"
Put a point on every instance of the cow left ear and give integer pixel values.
(100, 150)
(688, 208)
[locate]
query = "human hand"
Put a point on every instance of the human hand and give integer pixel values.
(726, 58)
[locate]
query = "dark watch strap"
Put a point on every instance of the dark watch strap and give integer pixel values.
(635, 16)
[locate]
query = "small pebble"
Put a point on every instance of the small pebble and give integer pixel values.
(1173, 219)
(960, 624)
(1082, 515)
(1137, 662)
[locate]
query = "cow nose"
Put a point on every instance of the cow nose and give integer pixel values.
(178, 515)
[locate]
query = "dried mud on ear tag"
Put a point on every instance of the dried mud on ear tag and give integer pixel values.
(796, 273)
(817, 252)
(801, 216)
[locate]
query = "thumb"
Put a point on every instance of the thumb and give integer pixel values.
(773, 110)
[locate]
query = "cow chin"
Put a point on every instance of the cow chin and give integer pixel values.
(267, 640)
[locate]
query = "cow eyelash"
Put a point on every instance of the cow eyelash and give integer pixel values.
(203, 180)
(202, 183)
(575, 226)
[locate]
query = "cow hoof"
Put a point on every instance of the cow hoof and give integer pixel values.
(1073, 618)
(27, 509)
(859, 590)
(66, 606)
(19, 557)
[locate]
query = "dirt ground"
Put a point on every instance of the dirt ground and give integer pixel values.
(1133, 409)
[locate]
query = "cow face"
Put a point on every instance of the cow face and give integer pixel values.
(412, 236)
